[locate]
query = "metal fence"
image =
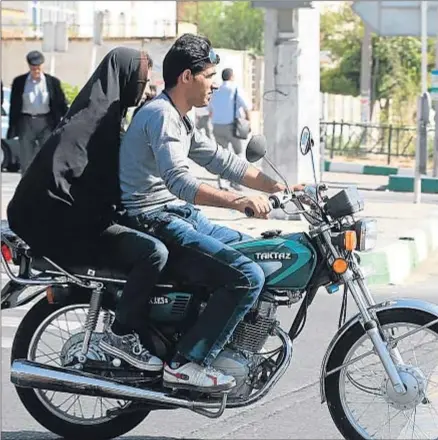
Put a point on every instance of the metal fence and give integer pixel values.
(359, 140)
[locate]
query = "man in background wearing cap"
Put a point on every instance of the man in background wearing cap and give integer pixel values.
(37, 105)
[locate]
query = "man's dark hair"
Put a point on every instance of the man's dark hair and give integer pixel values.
(227, 74)
(186, 53)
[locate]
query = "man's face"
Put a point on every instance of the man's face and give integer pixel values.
(202, 87)
(35, 71)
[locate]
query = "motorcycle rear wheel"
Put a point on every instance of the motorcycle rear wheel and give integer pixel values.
(109, 428)
(417, 418)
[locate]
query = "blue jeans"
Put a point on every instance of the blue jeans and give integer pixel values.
(202, 255)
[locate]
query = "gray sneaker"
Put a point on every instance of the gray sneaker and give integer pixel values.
(130, 349)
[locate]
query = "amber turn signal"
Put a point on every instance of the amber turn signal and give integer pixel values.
(340, 266)
(350, 240)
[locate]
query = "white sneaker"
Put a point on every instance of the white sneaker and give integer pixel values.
(196, 377)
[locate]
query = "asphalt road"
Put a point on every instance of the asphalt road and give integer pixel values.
(291, 411)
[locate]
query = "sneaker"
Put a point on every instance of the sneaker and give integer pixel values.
(193, 376)
(130, 349)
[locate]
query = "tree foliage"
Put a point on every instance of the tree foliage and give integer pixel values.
(396, 62)
(70, 92)
(230, 25)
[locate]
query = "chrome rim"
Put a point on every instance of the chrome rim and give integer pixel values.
(53, 342)
(367, 397)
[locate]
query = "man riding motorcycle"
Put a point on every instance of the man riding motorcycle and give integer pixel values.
(154, 180)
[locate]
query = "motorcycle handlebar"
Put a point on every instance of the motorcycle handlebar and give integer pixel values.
(279, 199)
(276, 200)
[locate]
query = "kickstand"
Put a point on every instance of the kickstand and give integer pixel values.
(213, 414)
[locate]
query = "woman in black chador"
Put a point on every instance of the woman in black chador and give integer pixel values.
(64, 206)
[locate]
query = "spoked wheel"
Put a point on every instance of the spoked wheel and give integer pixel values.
(52, 335)
(360, 396)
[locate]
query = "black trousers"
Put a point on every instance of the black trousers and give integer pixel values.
(138, 254)
(142, 257)
(33, 131)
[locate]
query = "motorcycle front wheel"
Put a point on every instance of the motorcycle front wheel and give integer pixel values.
(360, 397)
(48, 334)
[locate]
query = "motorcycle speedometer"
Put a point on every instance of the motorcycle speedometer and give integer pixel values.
(345, 202)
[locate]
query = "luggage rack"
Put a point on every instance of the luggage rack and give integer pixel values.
(22, 256)
(47, 281)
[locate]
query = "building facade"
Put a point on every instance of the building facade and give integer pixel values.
(123, 19)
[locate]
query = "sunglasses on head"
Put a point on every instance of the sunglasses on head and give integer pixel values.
(213, 57)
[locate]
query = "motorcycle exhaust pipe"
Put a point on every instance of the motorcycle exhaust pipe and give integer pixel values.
(29, 374)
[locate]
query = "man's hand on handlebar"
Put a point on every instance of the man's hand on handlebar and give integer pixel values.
(257, 206)
(298, 187)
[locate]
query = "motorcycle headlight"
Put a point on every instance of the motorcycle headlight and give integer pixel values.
(366, 232)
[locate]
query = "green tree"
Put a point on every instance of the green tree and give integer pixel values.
(396, 64)
(235, 25)
(70, 92)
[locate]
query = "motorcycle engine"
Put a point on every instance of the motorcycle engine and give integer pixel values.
(237, 365)
(243, 354)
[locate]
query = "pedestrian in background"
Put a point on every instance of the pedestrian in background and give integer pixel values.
(227, 104)
(37, 105)
(203, 120)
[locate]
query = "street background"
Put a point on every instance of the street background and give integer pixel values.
(292, 409)
(326, 67)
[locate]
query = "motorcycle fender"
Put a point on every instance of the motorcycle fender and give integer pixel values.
(15, 295)
(412, 304)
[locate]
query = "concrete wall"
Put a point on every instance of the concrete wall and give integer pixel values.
(73, 67)
(344, 108)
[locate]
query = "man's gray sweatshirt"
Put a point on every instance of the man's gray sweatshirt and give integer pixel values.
(154, 166)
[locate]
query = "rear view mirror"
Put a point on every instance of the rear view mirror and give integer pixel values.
(256, 148)
(306, 141)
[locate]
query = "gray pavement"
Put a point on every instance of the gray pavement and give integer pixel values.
(395, 212)
(292, 410)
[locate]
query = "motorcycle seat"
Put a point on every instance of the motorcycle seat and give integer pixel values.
(43, 265)
(40, 264)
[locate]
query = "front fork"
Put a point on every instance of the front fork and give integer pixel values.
(389, 356)
(354, 280)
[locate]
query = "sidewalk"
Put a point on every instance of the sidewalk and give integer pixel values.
(361, 168)
(407, 233)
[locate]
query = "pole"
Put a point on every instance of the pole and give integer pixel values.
(417, 180)
(52, 63)
(435, 150)
(97, 36)
(365, 75)
(93, 59)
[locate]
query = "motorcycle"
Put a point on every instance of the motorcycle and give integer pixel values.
(373, 378)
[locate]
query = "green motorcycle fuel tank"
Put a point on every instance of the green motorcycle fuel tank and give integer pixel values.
(288, 260)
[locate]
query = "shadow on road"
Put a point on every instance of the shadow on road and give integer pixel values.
(36, 435)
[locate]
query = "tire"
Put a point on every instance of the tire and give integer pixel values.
(113, 428)
(332, 382)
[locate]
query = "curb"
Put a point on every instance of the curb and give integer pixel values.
(357, 168)
(406, 184)
(395, 262)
